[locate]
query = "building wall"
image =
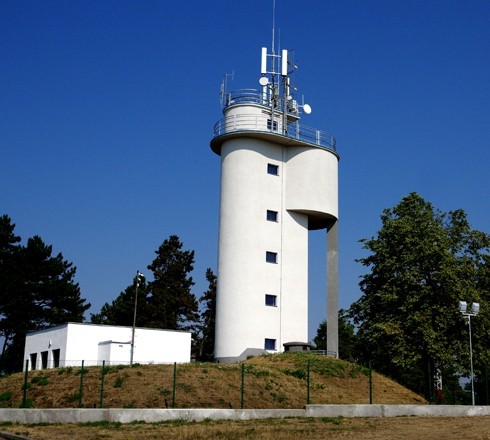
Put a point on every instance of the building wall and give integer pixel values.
(304, 193)
(77, 342)
(244, 277)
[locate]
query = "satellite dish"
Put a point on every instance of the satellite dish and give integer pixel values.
(307, 109)
(263, 81)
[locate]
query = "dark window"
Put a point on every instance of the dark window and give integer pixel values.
(33, 361)
(56, 358)
(273, 169)
(272, 216)
(271, 300)
(271, 257)
(44, 359)
(270, 344)
(271, 125)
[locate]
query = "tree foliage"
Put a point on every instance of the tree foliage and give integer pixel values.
(172, 304)
(37, 290)
(347, 337)
(208, 319)
(121, 310)
(167, 302)
(421, 263)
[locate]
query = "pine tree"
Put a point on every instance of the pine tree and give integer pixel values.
(37, 290)
(171, 303)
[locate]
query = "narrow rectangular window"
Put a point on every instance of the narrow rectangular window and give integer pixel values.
(273, 169)
(56, 358)
(272, 216)
(271, 300)
(44, 359)
(33, 357)
(270, 344)
(271, 257)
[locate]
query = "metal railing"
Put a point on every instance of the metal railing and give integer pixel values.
(266, 124)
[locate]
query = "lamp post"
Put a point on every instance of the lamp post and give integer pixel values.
(474, 309)
(139, 277)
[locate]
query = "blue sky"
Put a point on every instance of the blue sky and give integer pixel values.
(107, 110)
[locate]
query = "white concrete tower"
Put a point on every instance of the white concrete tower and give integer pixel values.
(279, 179)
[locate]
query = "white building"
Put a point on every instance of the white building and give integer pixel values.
(279, 179)
(70, 344)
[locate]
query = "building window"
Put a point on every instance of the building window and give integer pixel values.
(33, 357)
(271, 300)
(272, 216)
(271, 257)
(273, 169)
(270, 344)
(271, 125)
(44, 359)
(56, 358)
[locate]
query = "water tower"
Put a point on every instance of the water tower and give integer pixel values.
(279, 179)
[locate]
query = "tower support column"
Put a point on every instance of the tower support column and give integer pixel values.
(333, 289)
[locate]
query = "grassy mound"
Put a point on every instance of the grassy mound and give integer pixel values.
(275, 381)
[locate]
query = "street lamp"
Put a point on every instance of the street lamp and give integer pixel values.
(474, 309)
(139, 277)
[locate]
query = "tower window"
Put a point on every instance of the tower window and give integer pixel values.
(270, 344)
(271, 125)
(271, 257)
(272, 216)
(273, 169)
(271, 300)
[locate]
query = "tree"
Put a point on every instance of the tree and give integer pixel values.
(171, 304)
(208, 319)
(166, 302)
(37, 291)
(121, 310)
(421, 262)
(347, 337)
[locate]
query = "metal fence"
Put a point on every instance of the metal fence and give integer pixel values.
(203, 385)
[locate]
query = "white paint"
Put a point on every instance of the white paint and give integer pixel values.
(305, 195)
(112, 344)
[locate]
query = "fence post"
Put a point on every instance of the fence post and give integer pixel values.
(308, 382)
(24, 394)
(80, 394)
(486, 384)
(242, 390)
(370, 382)
(174, 384)
(430, 383)
(102, 386)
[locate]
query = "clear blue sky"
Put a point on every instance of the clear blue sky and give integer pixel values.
(107, 110)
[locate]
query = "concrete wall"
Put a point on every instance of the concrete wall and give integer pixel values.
(96, 343)
(33, 416)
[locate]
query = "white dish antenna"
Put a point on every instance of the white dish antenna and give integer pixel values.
(263, 81)
(307, 109)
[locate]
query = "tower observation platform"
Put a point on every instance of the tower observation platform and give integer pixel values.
(279, 179)
(261, 123)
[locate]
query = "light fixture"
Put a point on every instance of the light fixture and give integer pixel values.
(139, 277)
(474, 309)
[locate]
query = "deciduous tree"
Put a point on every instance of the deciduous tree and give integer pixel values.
(421, 262)
(347, 337)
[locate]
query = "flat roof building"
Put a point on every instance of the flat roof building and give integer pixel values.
(71, 343)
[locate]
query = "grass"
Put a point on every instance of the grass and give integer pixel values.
(275, 381)
(333, 428)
